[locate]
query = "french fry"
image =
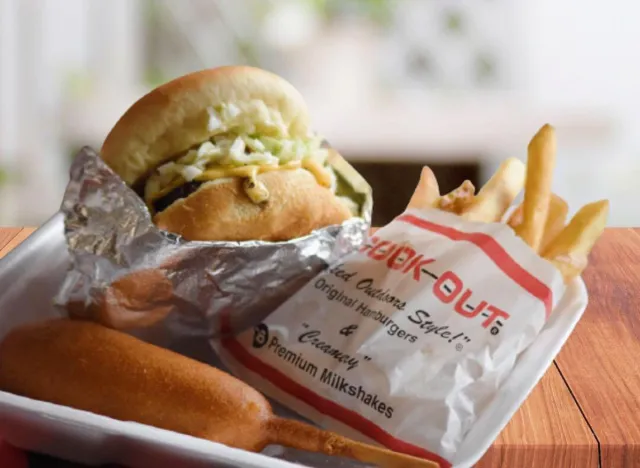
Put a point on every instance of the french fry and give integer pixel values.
(498, 193)
(537, 193)
(458, 198)
(515, 219)
(427, 192)
(570, 249)
(539, 220)
(556, 218)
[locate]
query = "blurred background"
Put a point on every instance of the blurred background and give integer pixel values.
(392, 84)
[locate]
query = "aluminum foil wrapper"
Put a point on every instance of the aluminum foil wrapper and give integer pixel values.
(128, 274)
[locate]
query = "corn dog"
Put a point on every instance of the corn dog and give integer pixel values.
(89, 367)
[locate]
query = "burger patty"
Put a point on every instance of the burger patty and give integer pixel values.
(177, 193)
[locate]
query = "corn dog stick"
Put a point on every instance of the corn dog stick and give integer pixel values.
(296, 434)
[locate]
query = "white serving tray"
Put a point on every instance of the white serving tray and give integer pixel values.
(29, 278)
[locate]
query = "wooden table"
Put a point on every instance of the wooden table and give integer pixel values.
(585, 412)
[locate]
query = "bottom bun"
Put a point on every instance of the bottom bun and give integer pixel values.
(221, 211)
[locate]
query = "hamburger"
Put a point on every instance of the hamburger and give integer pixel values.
(228, 154)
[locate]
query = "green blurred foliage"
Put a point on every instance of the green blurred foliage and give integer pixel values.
(154, 77)
(4, 176)
(153, 12)
(378, 11)
(8, 176)
(485, 67)
(78, 84)
(454, 22)
(248, 52)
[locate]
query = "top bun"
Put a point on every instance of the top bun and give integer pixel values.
(173, 117)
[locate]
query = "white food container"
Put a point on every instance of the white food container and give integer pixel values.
(29, 278)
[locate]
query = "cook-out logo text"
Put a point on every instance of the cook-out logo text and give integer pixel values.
(448, 288)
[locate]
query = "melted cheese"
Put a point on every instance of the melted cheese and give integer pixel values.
(255, 190)
(243, 171)
(320, 173)
(250, 172)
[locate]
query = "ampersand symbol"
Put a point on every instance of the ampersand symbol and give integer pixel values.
(348, 331)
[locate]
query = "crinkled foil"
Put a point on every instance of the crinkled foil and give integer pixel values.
(128, 274)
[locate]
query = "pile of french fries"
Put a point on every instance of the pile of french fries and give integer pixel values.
(539, 220)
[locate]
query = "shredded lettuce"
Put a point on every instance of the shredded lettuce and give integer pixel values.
(214, 121)
(353, 207)
(247, 133)
(251, 117)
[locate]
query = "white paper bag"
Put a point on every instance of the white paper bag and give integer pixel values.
(412, 341)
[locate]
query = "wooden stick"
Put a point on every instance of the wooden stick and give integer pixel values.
(298, 435)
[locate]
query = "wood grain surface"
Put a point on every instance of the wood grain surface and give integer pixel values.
(7, 234)
(547, 431)
(601, 360)
(585, 412)
(13, 241)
